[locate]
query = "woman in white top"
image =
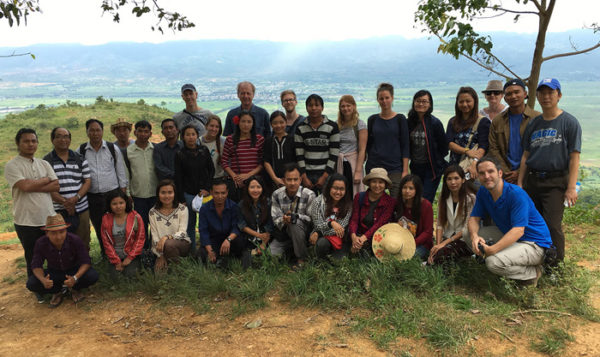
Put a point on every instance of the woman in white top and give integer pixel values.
(214, 142)
(353, 144)
(454, 207)
(168, 225)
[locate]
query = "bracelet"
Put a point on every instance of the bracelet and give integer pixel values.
(75, 277)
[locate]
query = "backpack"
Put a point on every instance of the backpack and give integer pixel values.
(111, 148)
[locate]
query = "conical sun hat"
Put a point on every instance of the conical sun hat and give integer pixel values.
(393, 241)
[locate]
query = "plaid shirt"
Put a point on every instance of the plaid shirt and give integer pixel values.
(282, 203)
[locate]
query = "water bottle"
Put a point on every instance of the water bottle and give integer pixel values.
(577, 189)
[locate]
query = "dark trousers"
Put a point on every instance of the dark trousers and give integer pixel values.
(175, 248)
(28, 236)
(97, 202)
(548, 195)
(238, 249)
(324, 248)
(58, 277)
(142, 206)
(430, 184)
(452, 252)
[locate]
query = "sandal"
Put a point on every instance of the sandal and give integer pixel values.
(77, 296)
(56, 300)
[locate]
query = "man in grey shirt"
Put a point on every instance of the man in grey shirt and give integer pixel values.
(192, 114)
(107, 171)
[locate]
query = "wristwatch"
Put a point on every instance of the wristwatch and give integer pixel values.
(229, 239)
(78, 196)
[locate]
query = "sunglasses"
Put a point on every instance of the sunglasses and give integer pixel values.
(493, 93)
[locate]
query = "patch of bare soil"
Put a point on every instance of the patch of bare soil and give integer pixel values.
(135, 326)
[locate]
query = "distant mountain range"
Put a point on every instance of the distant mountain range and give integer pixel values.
(161, 68)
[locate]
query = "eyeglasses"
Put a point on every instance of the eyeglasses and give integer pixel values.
(493, 93)
(421, 101)
(289, 100)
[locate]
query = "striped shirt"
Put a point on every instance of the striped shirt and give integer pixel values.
(317, 149)
(71, 176)
(244, 158)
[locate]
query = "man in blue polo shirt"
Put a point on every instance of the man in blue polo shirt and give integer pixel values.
(519, 254)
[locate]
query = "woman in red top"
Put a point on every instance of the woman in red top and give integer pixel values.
(123, 234)
(371, 210)
(415, 213)
(242, 153)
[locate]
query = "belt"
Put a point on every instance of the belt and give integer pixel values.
(548, 174)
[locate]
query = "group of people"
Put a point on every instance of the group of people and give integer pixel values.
(285, 184)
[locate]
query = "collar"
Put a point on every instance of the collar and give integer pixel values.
(136, 147)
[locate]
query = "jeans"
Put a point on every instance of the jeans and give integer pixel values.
(430, 184)
(192, 216)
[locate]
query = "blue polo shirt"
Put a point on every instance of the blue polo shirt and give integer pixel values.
(514, 208)
(214, 229)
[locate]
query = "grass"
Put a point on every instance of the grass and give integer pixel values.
(443, 307)
(553, 342)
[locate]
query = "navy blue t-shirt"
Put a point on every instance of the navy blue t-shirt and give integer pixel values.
(387, 150)
(515, 150)
(514, 208)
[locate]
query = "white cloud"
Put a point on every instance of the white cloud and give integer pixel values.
(80, 21)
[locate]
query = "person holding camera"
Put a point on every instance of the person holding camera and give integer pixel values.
(289, 210)
(525, 237)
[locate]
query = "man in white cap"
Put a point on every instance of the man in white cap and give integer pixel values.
(550, 162)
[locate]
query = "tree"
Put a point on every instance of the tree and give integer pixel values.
(449, 21)
(17, 11)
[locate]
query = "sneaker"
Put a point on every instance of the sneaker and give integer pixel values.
(40, 298)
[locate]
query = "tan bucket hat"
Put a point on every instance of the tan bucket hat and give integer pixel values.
(379, 173)
(494, 86)
(393, 241)
(120, 122)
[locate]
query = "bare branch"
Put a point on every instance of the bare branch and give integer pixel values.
(512, 11)
(571, 53)
(16, 55)
(489, 68)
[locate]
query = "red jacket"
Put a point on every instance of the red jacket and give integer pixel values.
(382, 215)
(134, 239)
(424, 234)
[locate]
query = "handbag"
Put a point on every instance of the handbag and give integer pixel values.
(466, 161)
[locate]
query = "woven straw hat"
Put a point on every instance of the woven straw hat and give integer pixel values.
(393, 241)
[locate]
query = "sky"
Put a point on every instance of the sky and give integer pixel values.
(81, 21)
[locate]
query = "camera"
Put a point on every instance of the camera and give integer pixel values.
(294, 218)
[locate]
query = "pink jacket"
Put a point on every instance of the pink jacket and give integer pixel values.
(134, 239)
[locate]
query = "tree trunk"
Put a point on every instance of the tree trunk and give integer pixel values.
(536, 64)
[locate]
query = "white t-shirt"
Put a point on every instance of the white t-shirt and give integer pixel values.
(29, 208)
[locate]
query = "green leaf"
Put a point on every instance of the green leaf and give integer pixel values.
(32, 55)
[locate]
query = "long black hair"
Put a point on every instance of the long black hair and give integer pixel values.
(237, 132)
(345, 204)
(462, 197)
(415, 210)
(263, 203)
(413, 117)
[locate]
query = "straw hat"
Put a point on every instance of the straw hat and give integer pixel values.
(120, 122)
(394, 241)
(55, 223)
(494, 86)
(379, 173)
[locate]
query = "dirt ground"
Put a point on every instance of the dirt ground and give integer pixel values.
(134, 326)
